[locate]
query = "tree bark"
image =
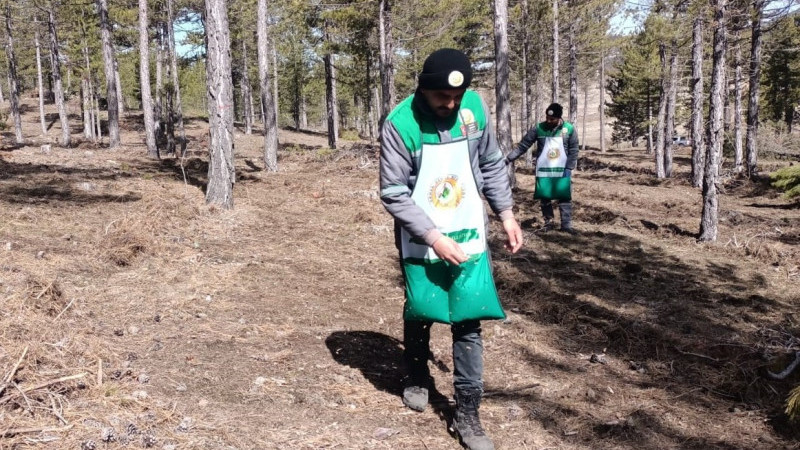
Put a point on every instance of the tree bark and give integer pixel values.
(526, 69)
(111, 83)
(502, 92)
(158, 102)
(13, 80)
(662, 113)
(275, 97)
(698, 143)
(386, 56)
(247, 97)
(602, 108)
(738, 151)
(40, 84)
(221, 172)
(754, 85)
(89, 110)
(173, 58)
(144, 82)
(573, 74)
(554, 90)
(118, 83)
(715, 130)
(267, 99)
(672, 98)
(330, 96)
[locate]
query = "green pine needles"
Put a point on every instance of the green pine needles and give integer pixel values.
(787, 179)
(793, 403)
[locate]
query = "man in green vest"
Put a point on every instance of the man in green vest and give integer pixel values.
(556, 158)
(438, 155)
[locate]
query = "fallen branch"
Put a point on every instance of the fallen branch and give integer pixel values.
(43, 385)
(16, 366)
(787, 371)
(13, 431)
(696, 354)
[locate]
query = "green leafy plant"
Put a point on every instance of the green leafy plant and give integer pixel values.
(793, 403)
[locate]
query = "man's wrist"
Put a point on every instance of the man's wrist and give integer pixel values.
(507, 214)
(431, 236)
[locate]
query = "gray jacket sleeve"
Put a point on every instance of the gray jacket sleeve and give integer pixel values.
(496, 186)
(572, 150)
(397, 178)
(527, 141)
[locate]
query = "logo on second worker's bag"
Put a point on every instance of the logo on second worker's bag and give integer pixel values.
(553, 152)
(446, 193)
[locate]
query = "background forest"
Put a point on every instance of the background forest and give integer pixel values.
(140, 306)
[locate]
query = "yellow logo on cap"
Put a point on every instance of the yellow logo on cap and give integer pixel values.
(455, 78)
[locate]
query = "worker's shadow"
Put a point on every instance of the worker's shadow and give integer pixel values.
(380, 359)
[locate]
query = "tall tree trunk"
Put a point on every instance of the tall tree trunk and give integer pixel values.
(13, 81)
(650, 144)
(672, 98)
(159, 100)
(275, 97)
(662, 113)
(554, 90)
(754, 85)
(386, 56)
(39, 81)
(573, 74)
(111, 83)
(221, 171)
(602, 108)
(738, 151)
(267, 99)
(330, 95)
(502, 92)
(144, 80)
(526, 69)
(715, 130)
(698, 142)
(118, 83)
(2, 99)
(89, 110)
(173, 58)
(98, 132)
(585, 104)
(247, 97)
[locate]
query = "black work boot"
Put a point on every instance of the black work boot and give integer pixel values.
(415, 394)
(466, 422)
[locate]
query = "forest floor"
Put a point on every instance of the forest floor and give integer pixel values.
(133, 315)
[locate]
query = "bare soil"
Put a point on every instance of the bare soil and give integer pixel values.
(133, 315)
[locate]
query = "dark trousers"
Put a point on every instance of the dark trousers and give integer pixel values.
(467, 353)
(564, 210)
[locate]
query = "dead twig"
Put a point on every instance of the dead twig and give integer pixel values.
(697, 355)
(64, 310)
(13, 431)
(43, 385)
(16, 366)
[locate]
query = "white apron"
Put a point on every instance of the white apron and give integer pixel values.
(436, 290)
(550, 181)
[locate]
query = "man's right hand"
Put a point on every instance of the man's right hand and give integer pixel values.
(449, 250)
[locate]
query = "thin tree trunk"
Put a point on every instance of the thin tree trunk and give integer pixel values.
(502, 92)
(2, 99)
(275, 98)
(89, 112)
(602, 107)
(267, 99)
(111, 84)
(330, 95)
(526, 70)
(173, 58)
(144, 79)
(221, 172)
(672, 98)
(13, 81)
(738, 151)
(386, 56)
(698, 142)
(715, 130)
(39, 81)
(554, 90)
(247, 97)
(98, 132)
(573, 74)
(159, 100)
(650, 144)
(120, 96)
(662, 113)
(754, 85)
(585, 104)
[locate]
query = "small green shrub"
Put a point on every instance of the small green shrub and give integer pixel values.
(793, 404)
(787, 179)
(349, 135)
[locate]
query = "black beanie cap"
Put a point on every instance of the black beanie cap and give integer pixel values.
(446, 68)
(554, 110)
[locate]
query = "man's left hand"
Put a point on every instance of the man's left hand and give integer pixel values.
(514, 232)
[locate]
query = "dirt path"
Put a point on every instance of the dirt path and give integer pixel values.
(277, 324)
